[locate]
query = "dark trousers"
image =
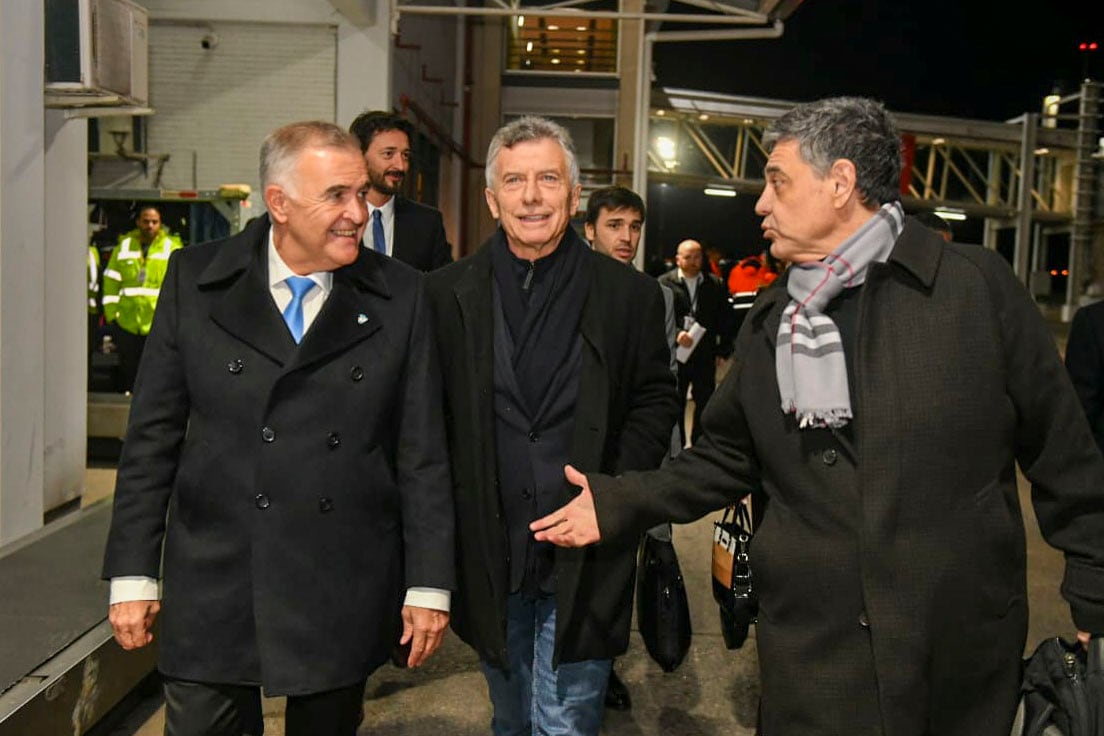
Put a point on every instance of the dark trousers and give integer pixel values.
(130, 348)
(702, 376)
(208, 709)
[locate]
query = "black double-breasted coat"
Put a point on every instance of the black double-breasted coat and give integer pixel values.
(305, 486)
(891, 560)
(623, 417)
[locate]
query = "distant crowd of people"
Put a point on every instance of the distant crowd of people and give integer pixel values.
(342, 443)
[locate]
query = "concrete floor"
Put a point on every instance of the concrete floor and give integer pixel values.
(713, 693)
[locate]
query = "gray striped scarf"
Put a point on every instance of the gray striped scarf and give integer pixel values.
(812, 372)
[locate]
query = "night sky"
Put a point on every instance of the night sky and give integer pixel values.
(960, 58)
(957, 58)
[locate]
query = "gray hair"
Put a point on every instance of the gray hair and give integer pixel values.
(858, 129)
(531, 128)
(282, 147)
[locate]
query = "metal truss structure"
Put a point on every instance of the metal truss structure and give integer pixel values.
(1038, 173)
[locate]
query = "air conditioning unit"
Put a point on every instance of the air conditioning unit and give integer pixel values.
(97, 53)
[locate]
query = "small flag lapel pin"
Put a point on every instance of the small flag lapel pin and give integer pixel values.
(362, 318)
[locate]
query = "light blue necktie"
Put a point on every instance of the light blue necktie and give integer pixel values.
(379, 240)
(293, 313)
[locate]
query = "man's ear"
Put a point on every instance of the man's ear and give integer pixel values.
(589, 230)
(492, 202)
(276, 201)
(842, 176)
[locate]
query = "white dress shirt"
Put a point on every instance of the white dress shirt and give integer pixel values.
(142, 588)
(692, 287)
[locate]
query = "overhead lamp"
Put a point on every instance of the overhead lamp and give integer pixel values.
(1042, 151)
(555, 61)
(666, 148)
(553, 28)
(521, 21)
(948, 214)
(716, 191)
(580, 28)
(661, 113)
(938, 141)
(529, 46)
(703, 117)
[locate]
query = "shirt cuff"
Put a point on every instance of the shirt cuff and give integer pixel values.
(133, 588)
(434, 598)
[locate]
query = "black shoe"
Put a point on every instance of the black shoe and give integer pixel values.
(617, 695)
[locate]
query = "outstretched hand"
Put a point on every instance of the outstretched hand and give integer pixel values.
(572, 525)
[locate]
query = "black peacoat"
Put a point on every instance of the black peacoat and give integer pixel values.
(891, 560)
(306, 486)
(623, 417)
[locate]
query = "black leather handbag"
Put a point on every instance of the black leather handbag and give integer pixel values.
(662, 607)
(733, 588)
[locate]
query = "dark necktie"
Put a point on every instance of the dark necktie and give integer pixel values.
(293, 313)
(379, 240)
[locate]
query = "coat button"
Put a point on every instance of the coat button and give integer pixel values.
(325, 505)
(526, 493)
(829, 457)
(235, 366)
(333, 440)
(356, 373)
(268, 434)
(262, 502)
(534, 437)
(863, 620)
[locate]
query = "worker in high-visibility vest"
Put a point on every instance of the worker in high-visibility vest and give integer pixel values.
(93, 300)
(131, 282)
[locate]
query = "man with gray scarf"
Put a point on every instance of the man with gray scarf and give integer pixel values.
(882, 394)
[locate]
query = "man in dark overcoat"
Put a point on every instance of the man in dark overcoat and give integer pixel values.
(552, 354)
(882, 393)
(287, 419)
(1085, 363)
(709, 308)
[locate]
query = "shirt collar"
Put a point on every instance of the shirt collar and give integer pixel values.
(278, 271)
(387, 209)
(696, 280)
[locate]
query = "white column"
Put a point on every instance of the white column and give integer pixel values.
(22, 384)
(65, 367)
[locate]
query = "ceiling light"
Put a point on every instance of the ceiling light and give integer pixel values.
(580, 52)
(938, 141)
(521, 21)
(666, 147)
(720, 191)
(661, 113)
(703, 116)
(553, 28)
(529, 46)
(948, 214)
(555, 61)
(580, 28)
(1042, 151)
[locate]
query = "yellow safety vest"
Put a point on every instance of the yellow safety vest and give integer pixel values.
(132, 281)
(93, 279)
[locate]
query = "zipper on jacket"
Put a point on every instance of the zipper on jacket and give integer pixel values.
(529, 276)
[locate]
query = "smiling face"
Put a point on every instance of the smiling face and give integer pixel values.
(532, 197)
(319, 214)
(388, 159)
(688, 257)
(616, 232)
(799, 208)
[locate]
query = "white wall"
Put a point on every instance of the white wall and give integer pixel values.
(22, 267)
(65, 244)
(215, 106)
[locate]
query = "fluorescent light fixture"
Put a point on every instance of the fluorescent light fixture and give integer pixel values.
(661, 113)
(938, 141)
(703, 117)
(717, 191)
(521, 21)
(555, 61)
(1042, 151)
(946, 214)
(553, 28)
(529, 46)
(580, 28)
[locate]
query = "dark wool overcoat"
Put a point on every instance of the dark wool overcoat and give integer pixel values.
(891, 560)
(623, 417)
(306, 486)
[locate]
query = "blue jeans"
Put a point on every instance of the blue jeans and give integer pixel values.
(533, 698)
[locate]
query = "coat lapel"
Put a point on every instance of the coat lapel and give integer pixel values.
(246, 310)
(347, 316)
